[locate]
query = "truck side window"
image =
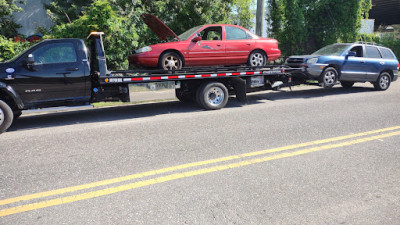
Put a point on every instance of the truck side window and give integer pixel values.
(358, 50)
(372, 52)
(55, 53)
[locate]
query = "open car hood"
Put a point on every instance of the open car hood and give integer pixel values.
(158, 27)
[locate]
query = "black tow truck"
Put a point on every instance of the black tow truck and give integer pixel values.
(66, 72)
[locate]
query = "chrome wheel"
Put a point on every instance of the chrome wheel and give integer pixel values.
(215, 96)
(384, 82)
(330, 78)
(171, 62)
(257, 59)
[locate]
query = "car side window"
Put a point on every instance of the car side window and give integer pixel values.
(358, 50)
(55, 53)
(211, 34)
(234, 33)
(372, 52)
(386, 53)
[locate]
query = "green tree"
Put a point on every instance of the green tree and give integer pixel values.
(119, 38)
(303, 26)
(8, 27)
(61, 11)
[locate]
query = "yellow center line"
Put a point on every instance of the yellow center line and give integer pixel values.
(185, 166)
(109, 191)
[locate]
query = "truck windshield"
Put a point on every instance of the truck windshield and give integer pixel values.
(188, 33)
(336, 50)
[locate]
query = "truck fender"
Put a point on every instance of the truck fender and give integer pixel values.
(12, 94)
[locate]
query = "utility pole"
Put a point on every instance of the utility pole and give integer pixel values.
(260, 17)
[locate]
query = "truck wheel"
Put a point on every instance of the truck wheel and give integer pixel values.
(328, 77)
(346, 84)
(6, 116)
(170, 61)
(212, 95)
(383, 82)
(257, 58)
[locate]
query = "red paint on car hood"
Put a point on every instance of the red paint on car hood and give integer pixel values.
(158, 27)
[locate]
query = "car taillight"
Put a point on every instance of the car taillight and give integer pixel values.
(398, 66)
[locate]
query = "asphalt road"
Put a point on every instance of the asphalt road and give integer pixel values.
(311, 156)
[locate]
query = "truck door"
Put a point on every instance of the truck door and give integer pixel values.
(57, 74)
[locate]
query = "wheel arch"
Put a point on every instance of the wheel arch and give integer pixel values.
(259, 49)
(337, 68)
(387, 71)
(175, 51)
(8, 95)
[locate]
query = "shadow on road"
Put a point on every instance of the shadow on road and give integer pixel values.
(152, 109)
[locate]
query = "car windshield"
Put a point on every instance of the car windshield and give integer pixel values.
(188, 33)
(336, 50)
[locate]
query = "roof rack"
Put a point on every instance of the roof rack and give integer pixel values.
(367, 43)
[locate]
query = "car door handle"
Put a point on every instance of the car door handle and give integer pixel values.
(248, 44)
(362, 61)
(72, 69)
(219, 45)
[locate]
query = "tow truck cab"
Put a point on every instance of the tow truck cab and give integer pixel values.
(57, 73)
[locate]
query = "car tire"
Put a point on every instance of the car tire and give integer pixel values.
(170, 61)
(212, 95)
(328, 77)
(6, 116)
(257, 58)
(347, 84)
(383, 82)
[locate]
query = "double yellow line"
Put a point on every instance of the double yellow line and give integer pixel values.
(245, 160)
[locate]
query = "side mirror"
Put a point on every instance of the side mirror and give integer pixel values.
(351, 54)
(30, 60)
(196, 39)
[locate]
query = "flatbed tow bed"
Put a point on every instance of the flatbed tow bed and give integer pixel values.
(30, 84)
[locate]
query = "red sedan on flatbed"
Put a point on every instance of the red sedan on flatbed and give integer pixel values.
(206, 45)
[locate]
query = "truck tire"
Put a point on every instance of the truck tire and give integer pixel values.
(6, 116)
(328, 77)
(383, 82)
(212, 95)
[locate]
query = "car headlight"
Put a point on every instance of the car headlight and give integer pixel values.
(312, 60)
(144, 49)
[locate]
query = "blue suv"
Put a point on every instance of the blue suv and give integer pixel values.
(349, 63)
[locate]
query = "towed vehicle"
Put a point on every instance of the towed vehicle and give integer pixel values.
(349, 63)
(205, 45)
